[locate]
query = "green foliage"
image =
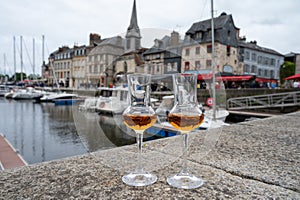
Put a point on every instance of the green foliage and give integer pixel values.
(286, 70)
(18, 76)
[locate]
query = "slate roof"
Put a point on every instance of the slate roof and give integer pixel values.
(254, 46)
(219, 23)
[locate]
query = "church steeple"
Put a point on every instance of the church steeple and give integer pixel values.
(133, 35)
(133, 20)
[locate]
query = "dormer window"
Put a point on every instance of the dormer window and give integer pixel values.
(198, 35)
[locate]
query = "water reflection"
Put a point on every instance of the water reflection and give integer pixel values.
(43, 132)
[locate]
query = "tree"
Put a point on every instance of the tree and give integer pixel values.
(286, 70)
(18, 76)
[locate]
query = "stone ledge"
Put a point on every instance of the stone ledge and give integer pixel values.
(253, 160)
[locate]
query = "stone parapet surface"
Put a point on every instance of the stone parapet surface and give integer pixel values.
(250, 160)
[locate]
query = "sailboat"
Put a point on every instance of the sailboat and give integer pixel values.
(59, 98)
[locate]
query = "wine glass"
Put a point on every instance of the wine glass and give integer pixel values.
(139, 116)
(185, 116)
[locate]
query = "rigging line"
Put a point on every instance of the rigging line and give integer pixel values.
(27, 54)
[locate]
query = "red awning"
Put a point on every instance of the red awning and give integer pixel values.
(234, 78)
(204, 77)
(296, 76)
(265, 80)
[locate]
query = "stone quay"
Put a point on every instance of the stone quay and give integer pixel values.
(249, 160)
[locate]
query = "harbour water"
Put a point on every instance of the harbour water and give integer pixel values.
(43, 131)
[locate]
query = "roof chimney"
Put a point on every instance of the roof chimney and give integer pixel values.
(174, 38)
(94, 38)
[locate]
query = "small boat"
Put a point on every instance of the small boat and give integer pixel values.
(3, 90)
(64, 102)
(110, 101)
(52, 97)
(25, 94)
(89, 104)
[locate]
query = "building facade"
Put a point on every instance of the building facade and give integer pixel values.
(263, 62)
(60, 66)
(197, 50)
(78, 66)
(164, 57)
(101, 61)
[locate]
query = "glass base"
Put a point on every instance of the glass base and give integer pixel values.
(185, 181)
(139, 179)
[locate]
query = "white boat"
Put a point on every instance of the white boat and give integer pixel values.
(51, 97)
(89, 104)
(113, 100)
(3, 90)
(28, 93)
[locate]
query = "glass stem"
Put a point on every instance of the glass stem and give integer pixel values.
(139, 140)
(185, 151)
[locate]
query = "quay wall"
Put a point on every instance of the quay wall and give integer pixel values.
(202, 93)
(250, 160)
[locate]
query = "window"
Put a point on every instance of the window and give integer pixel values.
(187, 51)
(272, 74)
(247, 55)
(259, 72)
(272, 61)
(137, 43)
(169, 67)
(197, 64)
(253, 69)
(259, 61)
(128, 43)
(228, 50)
(266, 72)
(253, 56)
(208, 63)
(209, 48)
(198, 35)
(228, 34)
(246, 68)
(187, 66)
(197, 50)
(158, 56)
(175, 66)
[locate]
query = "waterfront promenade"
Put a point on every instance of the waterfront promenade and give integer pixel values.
(250, 160)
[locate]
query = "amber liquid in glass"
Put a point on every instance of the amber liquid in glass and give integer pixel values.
(185, 123)
(139, 122)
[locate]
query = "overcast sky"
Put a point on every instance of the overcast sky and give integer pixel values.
(273, 24)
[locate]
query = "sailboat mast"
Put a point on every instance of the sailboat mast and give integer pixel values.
(4, 66)
(15, 63)
(43, 48)
(21, 56)
(33, 56)
(213, 59)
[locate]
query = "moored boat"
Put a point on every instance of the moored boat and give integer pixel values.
(51, 97)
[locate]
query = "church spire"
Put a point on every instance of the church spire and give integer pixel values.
(133, 35)
(133, 20)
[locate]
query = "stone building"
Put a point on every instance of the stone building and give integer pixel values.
(164, 57)
(60, 64)
(197, 49)
(263, 62)
(101, 61)
(78, 66)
